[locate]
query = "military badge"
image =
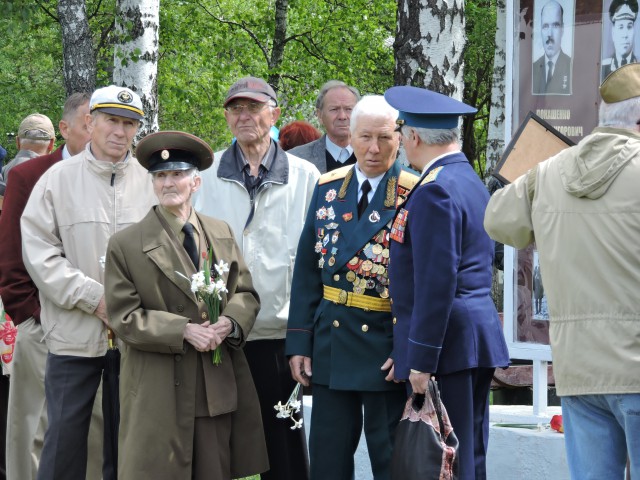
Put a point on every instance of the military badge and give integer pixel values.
(331, 195)
(334, 236)
(347, 217)
(321, 214)
(331, 226)
(318, 247)
(374, 217)
(330, 213)
(165, 154)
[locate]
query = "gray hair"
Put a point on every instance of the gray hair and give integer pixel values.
(434, 136)
(330, 85)
(372, 106)
(624, 114)
(73, 103)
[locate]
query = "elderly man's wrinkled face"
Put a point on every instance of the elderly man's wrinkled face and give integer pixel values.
(111, 135)
(250, 121)
(552, 28)
(622, 35)
(174, 188)
(335, 113)
(375, 144)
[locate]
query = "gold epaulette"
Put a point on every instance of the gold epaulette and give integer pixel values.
(431, 176)
(336, 174)
(407, 180)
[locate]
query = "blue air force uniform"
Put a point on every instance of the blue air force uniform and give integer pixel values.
(340, 316)
(440, 281)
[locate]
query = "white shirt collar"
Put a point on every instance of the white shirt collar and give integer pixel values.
(334, 150)
(428, 165)
(374, 182)
(65, 152)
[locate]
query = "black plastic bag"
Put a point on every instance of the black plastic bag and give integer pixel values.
(425, 446)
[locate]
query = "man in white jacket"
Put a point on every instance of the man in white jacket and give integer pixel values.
(582, 208)
(263, 193)
(73, 210)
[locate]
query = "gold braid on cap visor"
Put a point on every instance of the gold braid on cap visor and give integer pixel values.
(117, 105)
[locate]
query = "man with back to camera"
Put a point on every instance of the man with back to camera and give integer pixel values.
(440, 274)
(333, 110)
(552, 71)
(581, 209)
(27, 418)
(263, 193)
(36, 137)
(623, 14)
(71, 213)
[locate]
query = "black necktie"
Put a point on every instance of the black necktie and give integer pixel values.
(364, 199)
(624, 60)
(549, 71)
(189, 244)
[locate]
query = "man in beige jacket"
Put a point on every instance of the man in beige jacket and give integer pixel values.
(73, 210)
(582, 208)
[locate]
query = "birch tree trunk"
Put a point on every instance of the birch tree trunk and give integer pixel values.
(79, 62)
(136, 55)
(279, 42)
(429, 44)
(495, 135)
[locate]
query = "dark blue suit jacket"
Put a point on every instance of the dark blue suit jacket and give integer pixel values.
(440, 276)
(347, 345)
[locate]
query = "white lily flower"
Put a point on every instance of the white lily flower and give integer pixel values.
(221, 267)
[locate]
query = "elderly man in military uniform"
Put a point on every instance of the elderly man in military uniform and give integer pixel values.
(623, 14)
(340, 328)
(440, 274)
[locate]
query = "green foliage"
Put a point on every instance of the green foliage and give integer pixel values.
(480, 16)
(205, 45)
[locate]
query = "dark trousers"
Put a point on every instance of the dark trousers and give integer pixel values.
(287, 449)
(336, 425)
(70, 384)
(465, 395)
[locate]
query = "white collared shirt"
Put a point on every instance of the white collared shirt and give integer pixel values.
(428, 165)
(374, 182)
(335, 150)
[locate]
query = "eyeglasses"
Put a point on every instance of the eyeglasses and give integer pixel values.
(251, 107)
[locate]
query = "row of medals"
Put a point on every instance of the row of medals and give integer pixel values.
(371, 273)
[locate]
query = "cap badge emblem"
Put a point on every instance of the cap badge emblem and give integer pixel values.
(165, 154)
(125, 97)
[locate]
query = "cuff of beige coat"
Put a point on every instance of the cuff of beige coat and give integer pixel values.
(90, 300)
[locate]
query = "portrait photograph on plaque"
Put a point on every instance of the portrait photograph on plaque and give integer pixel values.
(534, 142)
(620, 39)
(569, 34)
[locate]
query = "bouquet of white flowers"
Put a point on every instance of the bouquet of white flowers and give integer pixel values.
(290, 408)
(209, 288)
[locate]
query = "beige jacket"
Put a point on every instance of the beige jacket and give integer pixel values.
(585, 216)
(73, 210)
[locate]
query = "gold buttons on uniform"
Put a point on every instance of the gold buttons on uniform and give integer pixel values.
(336, 277)
(336, 323)
(394, 320)
(204, 315)
(365, 328)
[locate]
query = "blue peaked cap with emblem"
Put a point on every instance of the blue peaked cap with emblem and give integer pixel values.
(423, 108)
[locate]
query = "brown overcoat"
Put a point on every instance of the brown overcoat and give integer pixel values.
(149, 304)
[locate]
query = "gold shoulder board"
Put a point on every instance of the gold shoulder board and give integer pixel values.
(337, 174)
